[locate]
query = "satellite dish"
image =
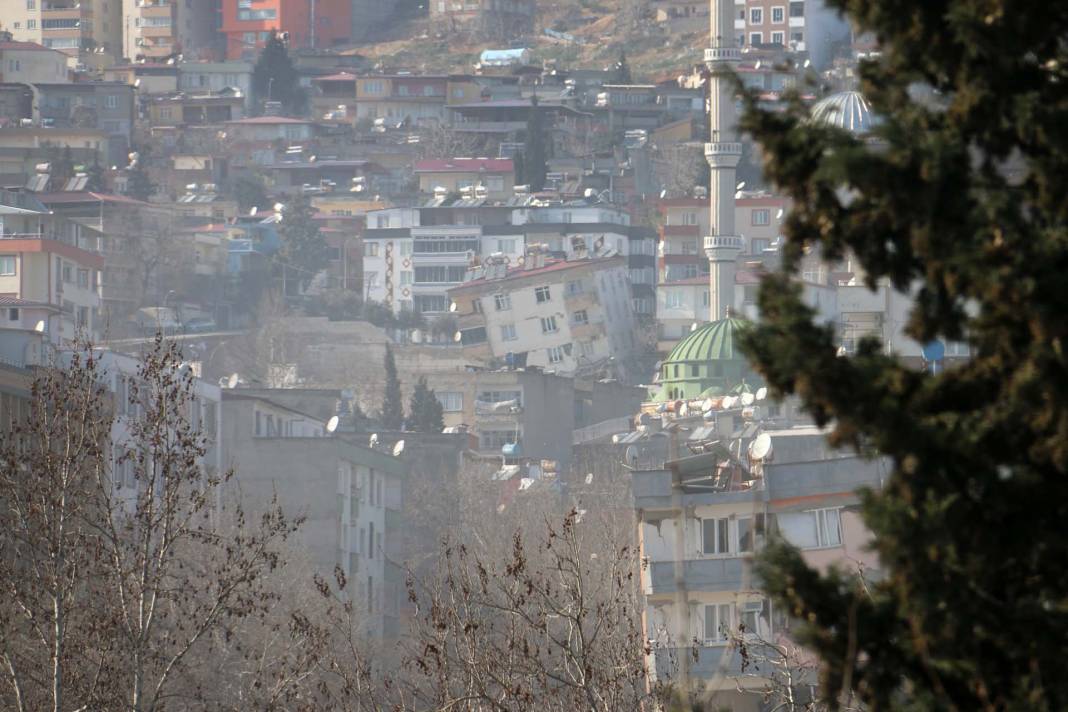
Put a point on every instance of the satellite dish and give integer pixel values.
(630, 456)
(331, 425)
(728, 402)
(684, 410)
(231, 382)
(740, 185)
(747, 399)
(452, 306)
(589, 478)
(760, 448)
(693, 326)
(252, 211)
(761, 393)
(278, 207)
(398, 448)
(374, 440)
(706, 405)
(39, 327)
(417, 336)
(525, 483)
(457, 337)
(778, 215)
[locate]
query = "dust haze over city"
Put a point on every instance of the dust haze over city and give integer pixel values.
(515, 356)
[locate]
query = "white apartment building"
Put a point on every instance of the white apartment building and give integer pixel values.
(564, 316)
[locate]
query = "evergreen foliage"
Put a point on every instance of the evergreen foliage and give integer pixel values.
(425, 414)
(274, 78)
(95, 175)
(392, 414)
(139, 184)
(534, 159)
(961, 199)
(303, 244)
(623, 75)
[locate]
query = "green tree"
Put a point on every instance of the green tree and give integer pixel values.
(425, 414)
(274, 78)
(961, 200)
(249, 191)
(392, 414)
(534, 158)
(304, 250)
(139, 184)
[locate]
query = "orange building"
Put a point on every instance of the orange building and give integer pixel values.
(247, 24)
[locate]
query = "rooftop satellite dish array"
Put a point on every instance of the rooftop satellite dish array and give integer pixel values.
(398, 447)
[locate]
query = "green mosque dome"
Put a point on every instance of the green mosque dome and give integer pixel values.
(707, 362)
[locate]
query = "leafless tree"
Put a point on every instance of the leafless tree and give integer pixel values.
(116, 601)
(48, 465)
(440, 140)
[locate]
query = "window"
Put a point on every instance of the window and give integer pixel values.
(508, 332)
(7, 265)
(495, 439)
(13, 314)
(556, 354)
(715, 536)
(68, 273)
(778, 38)
(745, 534)
(495, 183)
(451, 401)
(797, 9)
(586, 348)
(756, 38)
(111, 101)
(756, 16)
(294, 132)
(673, 299)
(31, 4)
(82, 320)
(83, 279)
(31, 24)
(370, 249)
(761, 217)
(506, 245)
(778, 15)
(797, 37)
(430, 303)
(718, 623)
(267, 14)
(813, 529)
(758, 245)
(548, 325)
(574, 287)
(502, 302)
(541, 294)
(580, 317)
(440, 274)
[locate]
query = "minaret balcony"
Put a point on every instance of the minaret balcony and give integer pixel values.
(723, 148)
(724, 242)
(721, 55)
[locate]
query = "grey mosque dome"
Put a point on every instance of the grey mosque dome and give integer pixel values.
(846, 110)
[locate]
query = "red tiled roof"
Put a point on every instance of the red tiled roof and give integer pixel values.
(464, 165)
(6, 301)
(14, 44)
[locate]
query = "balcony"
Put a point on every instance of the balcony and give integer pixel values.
(704, 662)
(491, 126)
(711, 575)
(724, 242)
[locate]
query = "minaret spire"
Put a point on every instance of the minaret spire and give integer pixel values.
(723, 152)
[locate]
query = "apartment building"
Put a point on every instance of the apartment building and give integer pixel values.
(85, 31)
(350, 495)
(21, 148)
(488, 178)
(161, 29)
(22, 352)
(397, 98)
(110, 107)
(216, 77)
(48, 272)
(247, 25)
(31, 62)
(566, 316)
(703, 515)
(806, 27)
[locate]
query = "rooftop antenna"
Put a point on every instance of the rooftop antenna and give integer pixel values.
(231, 382)
(398, 448)
(331, 425)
